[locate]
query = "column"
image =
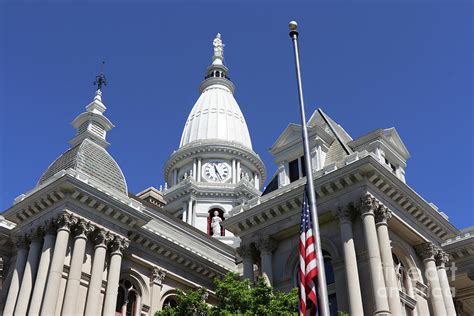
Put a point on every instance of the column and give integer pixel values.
(185, 211)
(80, 231)
(234, 172)
(237, 176)
(190, 211)
(156, 284)
(194, 168)
(175, 177)
(22, 244)
(382, 216)
(367, 207)
(199, 171)
(64, 222)
(30, 272)
(246, 253)
(43, 268)
(266, 247)
(427, 251)
(100, 239)
(256, 181)
(117, 246)
(345, 216)
(441, 259)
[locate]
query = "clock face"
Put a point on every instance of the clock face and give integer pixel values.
(216, 171)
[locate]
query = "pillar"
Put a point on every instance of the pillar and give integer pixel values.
(367, 207)
(156, 284)
(190, 212)
(427, 251)
(100, 239)
(246, 253)
(64, 222)
(345, 216)
(185, 212)
(256, 181)
(199, 169)
(81, 230)
(117, 246)
(237, 176)
(441, 259)
(43, 268)
(266, 247)
(22, 244)
(30, 272)
(382, 216)
(234, 172)
(194, 169)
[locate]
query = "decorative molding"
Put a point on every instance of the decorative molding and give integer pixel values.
(427, 250)
(344, 214)
(382, 214)
(245, 251)
(65, 220)
(267, 245)
(157, 275)
(368, 204)
(118, 244)
(441, 257)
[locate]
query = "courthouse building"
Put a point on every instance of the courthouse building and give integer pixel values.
(79, 243)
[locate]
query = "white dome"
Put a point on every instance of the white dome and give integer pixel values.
(216, 115)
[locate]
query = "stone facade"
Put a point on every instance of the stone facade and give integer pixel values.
(80, 244)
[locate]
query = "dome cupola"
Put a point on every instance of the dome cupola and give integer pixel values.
(87, 154)
(216, 114)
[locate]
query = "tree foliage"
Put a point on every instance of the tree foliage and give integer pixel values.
(235, 297)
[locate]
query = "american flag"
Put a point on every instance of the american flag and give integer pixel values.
(308, 271)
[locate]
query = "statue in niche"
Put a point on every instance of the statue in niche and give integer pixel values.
(216, 224)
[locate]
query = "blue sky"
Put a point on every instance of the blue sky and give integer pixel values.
(403, 64)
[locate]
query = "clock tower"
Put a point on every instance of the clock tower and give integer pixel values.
(215, 168)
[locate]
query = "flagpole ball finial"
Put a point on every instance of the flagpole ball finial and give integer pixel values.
(293, 25)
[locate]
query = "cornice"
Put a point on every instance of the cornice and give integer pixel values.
(215, 146)
(258, 210)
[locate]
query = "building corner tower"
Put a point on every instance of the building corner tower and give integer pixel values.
(215, 167)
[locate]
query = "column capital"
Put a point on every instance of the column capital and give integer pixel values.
(118, 244)
(157, 275)
(267, 244)
(65, 220)
(50, 227)
(427, 250)
(100, 237)
(23, 241)
(442, 258)
(344, 214)
(82, 228)
(245, 251)
(368, 204)
(382, 215)
(37, 234)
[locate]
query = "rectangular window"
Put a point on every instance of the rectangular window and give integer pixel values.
(303, 166)
(293, 168)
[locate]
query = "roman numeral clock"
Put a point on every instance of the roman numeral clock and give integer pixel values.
(216, 171)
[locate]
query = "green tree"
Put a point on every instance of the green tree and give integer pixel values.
(236, 297)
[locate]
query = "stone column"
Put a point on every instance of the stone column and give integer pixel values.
(43, 268)
(382, 216)
(238, 171)
(30, 272)
(80, 231)
(22, 244)
(246, 253)
(156, 284)
(64, 222)
(266, 246)
(345, 216)
(441, 259)
(190, 212)
(427, 251)
(199, 171)
(117, 246)
(368, 205)
(100, 239)
(185, 212)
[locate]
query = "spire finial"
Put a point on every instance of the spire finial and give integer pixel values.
(218, 50)
(100, 78)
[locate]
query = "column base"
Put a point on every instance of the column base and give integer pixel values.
(382, 313)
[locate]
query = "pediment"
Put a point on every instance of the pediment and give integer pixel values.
(392, 137)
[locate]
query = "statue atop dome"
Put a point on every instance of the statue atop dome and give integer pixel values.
(218, 46)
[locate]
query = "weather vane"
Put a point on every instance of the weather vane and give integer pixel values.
(100, 78)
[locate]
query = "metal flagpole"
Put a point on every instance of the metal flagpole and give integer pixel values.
(322, 287)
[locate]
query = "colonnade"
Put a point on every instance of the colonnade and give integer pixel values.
(39, 266)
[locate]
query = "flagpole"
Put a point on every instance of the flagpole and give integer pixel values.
(322, 287)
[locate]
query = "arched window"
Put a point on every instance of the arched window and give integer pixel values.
(330, 281)
(170, 301)
(128, 299)
(209, 220)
